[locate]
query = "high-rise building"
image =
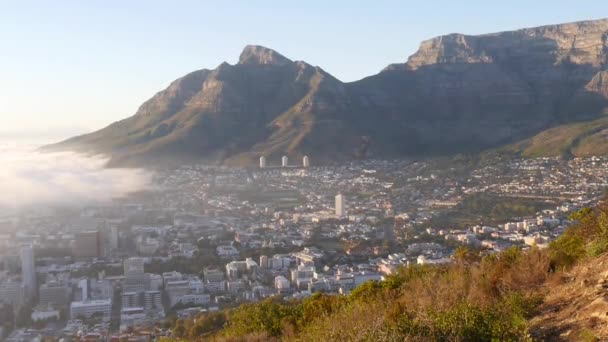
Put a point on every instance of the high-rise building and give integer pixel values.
(131, 300)
(83, 287)
(28, 270)
(262, 162)
(54, 293)
(153, 300)
(263, 261)
(305, 161)
(284, 161)
(88, 244)
(114, 238)
(12, 292)
(135, 278)
(340, 212)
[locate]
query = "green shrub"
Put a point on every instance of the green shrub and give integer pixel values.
(598, 247)
(506, 320)
(267, 317)
(567, 249)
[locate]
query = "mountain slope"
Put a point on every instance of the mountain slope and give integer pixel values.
(580, 139)
(480, 91)
(457, 93)
(576, 306)
(265, 104)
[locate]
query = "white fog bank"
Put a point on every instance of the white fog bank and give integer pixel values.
(29, 178)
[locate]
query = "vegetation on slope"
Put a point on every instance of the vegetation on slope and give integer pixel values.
(487, 208)
(476, 298)
(582, 139)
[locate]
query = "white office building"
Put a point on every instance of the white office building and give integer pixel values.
(88, 308)
(262, 162)
(340, 203)
(284, 161)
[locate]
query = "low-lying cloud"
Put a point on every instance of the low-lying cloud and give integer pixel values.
(29, 178)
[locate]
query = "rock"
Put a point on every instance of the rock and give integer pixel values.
(255, 54)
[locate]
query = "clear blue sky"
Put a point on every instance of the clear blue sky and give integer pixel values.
(73, 66)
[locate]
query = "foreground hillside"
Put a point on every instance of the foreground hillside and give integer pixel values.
(575, 306)
(457, 93)
(558, 293)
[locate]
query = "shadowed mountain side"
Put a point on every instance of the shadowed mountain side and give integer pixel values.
(456, 94)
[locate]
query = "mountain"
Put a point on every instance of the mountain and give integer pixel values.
(265, 104)
(457, 93)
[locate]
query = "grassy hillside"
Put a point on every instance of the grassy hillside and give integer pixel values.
(580, 139)
(514, 295)
(484, 208)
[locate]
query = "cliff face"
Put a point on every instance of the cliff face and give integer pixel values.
(457, 93)
(576, 43)
(467, 91)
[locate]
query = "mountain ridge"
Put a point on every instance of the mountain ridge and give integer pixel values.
(458, 93)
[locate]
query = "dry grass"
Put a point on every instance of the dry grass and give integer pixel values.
(576, 304)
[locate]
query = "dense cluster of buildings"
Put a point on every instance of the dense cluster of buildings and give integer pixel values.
(211, 237)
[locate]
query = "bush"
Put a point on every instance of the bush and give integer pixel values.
(267, 317)
(598, 247)
(506, 320)
(589, 236)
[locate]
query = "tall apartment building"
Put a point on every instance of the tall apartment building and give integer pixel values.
(340, 204)
(153, 300)
(131, 300)
(28, 271)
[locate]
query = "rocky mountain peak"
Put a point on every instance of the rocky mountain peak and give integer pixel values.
(577, 43)
(259, 55)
